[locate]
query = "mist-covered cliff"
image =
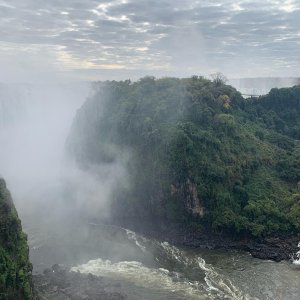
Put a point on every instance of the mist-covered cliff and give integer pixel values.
(15, 268)
(197, 153)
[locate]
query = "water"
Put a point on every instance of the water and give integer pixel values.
(296, 260)
(151, 269)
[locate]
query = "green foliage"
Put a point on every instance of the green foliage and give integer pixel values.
(199, 152)
(15, 268)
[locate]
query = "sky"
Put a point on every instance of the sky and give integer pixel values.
(120, 39)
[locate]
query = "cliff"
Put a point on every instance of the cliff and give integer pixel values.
(200, 155)
(15, 268)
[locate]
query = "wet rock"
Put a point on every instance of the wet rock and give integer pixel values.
(60, 284)
(276, 248)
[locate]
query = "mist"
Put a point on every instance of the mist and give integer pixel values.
(153, 144)
(45, 182)
(261, 86)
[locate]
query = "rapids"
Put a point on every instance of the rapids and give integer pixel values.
(151, 269)
(296, 260)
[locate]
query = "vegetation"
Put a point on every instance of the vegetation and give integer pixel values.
(15, 268)
(199, 154)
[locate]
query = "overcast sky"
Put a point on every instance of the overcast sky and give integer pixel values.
(89, 39)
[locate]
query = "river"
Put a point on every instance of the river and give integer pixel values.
(151, 269)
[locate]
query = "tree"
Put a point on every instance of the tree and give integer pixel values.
(219, 78)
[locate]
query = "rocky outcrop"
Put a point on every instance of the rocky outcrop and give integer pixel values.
(188, 192)
(15, 267)
(59, 283)
(276, 248)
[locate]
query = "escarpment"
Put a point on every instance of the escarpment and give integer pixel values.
(15, 267)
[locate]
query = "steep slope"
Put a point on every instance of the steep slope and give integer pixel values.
(15, 268)
(199, 154)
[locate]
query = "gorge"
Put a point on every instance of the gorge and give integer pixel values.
(198, 176)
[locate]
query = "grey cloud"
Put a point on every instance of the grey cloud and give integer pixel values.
(175, 37)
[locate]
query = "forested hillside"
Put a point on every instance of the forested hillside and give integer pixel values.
(15, 268)
(199, 154)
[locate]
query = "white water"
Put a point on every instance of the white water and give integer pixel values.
(296, 260)
(162, 280)
(141, 276)
(149, 269)
(133, 237)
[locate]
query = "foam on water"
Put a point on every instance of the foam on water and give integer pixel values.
(296, 260)
(142, 276)
(219, 285)
(214, 286)
(133, 237)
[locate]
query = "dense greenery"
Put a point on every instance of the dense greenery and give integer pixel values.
(197, 153)
(15, 268)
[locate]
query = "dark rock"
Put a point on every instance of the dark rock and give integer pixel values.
(276, 248)
(59, 283)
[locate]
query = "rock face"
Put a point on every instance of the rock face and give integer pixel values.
(15, 268)
(58, 283)
(276, 248)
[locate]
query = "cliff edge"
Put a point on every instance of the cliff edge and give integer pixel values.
(15, 267)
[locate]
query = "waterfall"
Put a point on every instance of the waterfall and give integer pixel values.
(34, 123)
(296, 259)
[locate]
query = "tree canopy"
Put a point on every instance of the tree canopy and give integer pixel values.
(199, 152)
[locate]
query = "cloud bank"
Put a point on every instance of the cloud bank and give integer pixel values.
(131, 38)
